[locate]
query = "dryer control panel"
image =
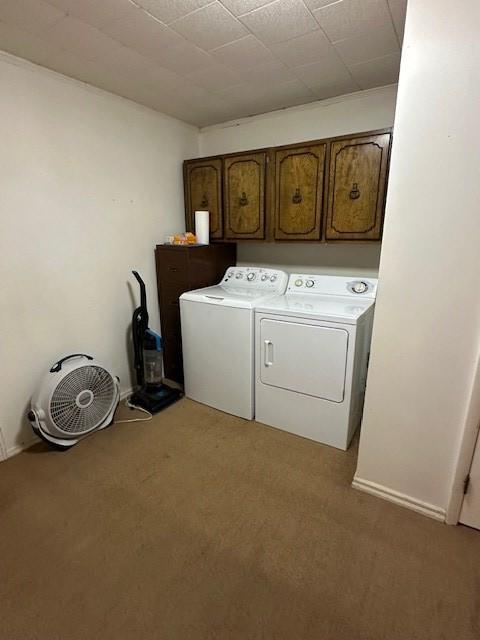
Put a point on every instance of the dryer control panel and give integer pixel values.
(255, 278)
(358, 287)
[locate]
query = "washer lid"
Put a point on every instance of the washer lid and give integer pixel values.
(329, 308)
(239, 297)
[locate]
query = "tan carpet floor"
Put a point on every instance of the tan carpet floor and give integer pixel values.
(198, 525)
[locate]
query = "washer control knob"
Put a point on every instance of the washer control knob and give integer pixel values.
(230, 274)
(239, 275)
(299, 282)
(250, 276)
(264, 277)
(309, 283)
(359, 287)
(273, 278)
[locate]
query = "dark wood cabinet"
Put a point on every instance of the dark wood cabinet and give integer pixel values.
(203, 191)
(357, 185)
(244, 196)
(179, 269)
(330, 190)
(299, 174)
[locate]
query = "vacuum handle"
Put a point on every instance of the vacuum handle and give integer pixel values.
(58, 365)
(143, 293)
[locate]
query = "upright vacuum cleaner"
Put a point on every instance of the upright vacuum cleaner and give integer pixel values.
(151, 394)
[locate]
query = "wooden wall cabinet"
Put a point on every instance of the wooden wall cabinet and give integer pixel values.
(299, 175)
(356, 190)
(244, 196)
(329, 190)
(179, 269)
(203, 191)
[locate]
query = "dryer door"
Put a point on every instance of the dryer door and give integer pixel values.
(304, 358)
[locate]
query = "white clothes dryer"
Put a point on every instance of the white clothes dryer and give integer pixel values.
(312, 348)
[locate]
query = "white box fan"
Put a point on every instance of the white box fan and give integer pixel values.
(77, 396)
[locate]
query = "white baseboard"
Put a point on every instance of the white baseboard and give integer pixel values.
(3, 447)
(17, 448)
(378, 490)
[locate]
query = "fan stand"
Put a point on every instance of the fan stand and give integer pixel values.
(151, 398)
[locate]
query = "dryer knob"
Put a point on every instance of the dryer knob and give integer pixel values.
(298, 283)
(239, 275)
(251, 276)
(273, 278)
(360, 287)
(264, 277)
(309, 283)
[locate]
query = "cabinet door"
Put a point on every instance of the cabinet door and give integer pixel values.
(203, 191)
(357, 188)
(244, 188)
(299, 175)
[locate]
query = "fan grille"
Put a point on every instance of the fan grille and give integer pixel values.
(82, 399)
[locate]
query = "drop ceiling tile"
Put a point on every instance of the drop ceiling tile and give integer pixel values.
(193, 105)
(210, 27)
(26, 45)
(329, 70)
(304, 49)
(398, 10)
(80, 38)
(243, 54)
(253, 99)
(275, 104)
(331, 89)
(98, 13)
(144, 33)
(185, 58)
(239, 94)
(368, 46)
(279, 97)
(378, 72)
(29, 15)
(215, 78)
(226, 114)
(158, 89)
(316, 4)
(169, 10)
(124, 59)
(349, 18)
(270, 73)
(160, 79)
(239, 7)
(291, 90)
(74, 66)
(280, 20)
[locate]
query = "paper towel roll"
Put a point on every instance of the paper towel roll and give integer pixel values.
(202, 223)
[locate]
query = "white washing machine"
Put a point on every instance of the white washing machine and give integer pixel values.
(218, 337)
(312, 347)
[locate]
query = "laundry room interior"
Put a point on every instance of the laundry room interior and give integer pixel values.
(240, 319)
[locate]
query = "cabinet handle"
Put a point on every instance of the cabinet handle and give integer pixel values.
(243, 200)
(355, 192)
(268, 346)
(174, 269)
(204, 202)
(297, 196)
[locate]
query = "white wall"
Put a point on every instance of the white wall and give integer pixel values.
(427, 324)
(89, 183)
(362, 111)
